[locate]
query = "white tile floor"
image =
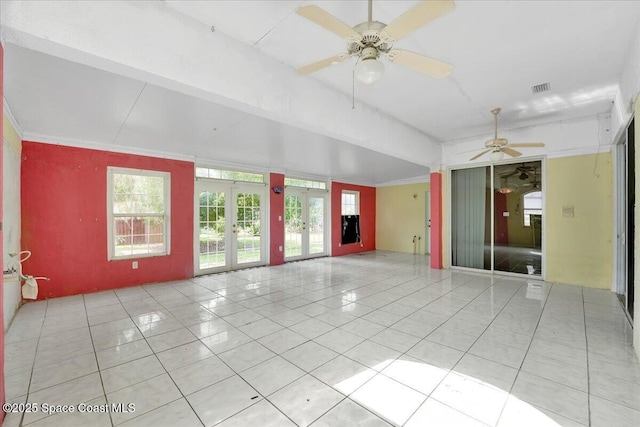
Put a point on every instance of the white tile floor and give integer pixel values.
(361, 340)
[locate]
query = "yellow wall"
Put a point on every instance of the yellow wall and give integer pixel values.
(519, 235)
(11, 150)
(10, 134)
(579, 247)
(399, 217)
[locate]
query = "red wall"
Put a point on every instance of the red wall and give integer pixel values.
(436, 219)
(1, 239)
(367, 219)
(276, 226)
(501, 221)
(64, 220)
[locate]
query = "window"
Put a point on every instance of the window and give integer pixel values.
(532, 205)
(229, 175)
(138, 208)
(305, 183)
(350, 202)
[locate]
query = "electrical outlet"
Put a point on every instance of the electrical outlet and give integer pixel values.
(134, 265)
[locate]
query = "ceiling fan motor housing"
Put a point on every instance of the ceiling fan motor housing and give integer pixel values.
(497, 142)
(370, 33)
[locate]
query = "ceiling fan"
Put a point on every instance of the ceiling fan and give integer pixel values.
(499, 146)
(371, 39)
(535, 183)
(523, 172)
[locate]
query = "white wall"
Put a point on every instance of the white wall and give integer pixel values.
(11, 151)
(587, 135)
(624, 105)
(629, 87)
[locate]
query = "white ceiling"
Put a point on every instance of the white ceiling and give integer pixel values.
(57, 100)
(499, 49)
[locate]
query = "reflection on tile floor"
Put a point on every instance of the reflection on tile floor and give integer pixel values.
(372, 339)
(514, 259)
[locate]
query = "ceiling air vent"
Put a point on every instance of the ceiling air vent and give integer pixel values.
(542, 87)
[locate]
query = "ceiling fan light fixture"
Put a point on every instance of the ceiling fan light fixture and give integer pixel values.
(369, 71)
(497, 155)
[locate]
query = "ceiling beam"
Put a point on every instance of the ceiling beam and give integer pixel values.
(153, 43)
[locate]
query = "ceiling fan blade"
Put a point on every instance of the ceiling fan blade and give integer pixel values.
(511, 152)
(509, 175)
(308, 69)
(328, 21)
(478, 155)
(414, 18)
(423, 64)
(528, 144)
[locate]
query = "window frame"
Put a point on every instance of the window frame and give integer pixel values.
(166, 176)
(314, 183)
(524, 208)
(236, 179)
(357, 202)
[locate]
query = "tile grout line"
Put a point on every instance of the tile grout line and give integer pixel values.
(213, 355)
(373, 309)
(95, 354)
(546, 299)
(33, 366)
(389, 327)
(309, 372)
(153, 352)
(467, 352)
(341, 285)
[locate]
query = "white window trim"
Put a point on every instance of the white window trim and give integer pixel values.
(167, 211)
(325, 189)
(357, 194)
(524, 207)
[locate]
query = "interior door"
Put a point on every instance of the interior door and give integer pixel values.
(305, 234)
(229, 227)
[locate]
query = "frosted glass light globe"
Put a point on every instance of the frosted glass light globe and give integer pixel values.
(369, 71)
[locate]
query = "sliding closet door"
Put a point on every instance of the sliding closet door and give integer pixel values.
(470, 220)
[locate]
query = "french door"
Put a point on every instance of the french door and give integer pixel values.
(304, 228)
(230, 226)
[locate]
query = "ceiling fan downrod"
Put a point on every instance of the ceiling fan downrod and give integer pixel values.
(495, 113)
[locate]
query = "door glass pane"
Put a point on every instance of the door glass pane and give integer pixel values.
(247, 228)
(292, 226)
(316, 225)
(518, 218)
(212, 230)
(470, 218)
